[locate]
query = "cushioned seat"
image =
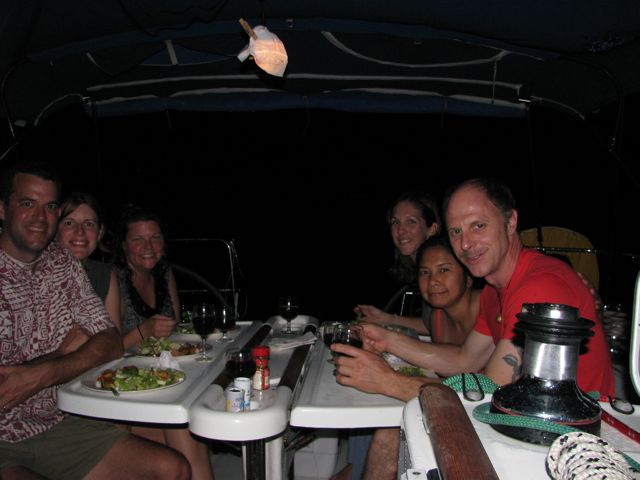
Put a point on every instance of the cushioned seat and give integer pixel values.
(583, 261)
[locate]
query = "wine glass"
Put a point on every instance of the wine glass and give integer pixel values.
(203, 324)
(288, 309)
(349, 334)
(225, 320)
(326, 334)
(239, 363)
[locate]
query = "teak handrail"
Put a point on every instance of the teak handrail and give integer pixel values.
(458, 450)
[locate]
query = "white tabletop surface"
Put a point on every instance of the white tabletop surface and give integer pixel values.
(170, 405)
(512, 459)
(210, 419)
(323, 403)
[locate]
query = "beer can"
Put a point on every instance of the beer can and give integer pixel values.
(245, 384)
(235, 399)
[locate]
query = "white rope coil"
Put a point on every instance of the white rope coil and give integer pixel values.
(582, 456)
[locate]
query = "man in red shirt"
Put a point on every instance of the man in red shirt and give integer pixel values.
(482, 221)
(482, 226)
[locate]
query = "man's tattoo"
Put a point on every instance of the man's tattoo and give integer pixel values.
(514, 362)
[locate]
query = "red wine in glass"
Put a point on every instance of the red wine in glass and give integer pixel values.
(288, 309)
(348, 334)
(204, 325)
(240, 363)
(203, 321)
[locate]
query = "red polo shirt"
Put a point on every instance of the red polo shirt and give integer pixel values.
(540, 278)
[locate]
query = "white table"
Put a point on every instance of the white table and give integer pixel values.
(169, 405)
(259, 430)
(512, 459)
(324, 403)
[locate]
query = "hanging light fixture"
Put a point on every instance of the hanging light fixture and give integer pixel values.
(266, 49)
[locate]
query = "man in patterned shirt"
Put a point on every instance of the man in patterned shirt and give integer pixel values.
(53, 328)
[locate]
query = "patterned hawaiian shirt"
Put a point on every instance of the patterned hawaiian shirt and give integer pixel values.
(39, 303)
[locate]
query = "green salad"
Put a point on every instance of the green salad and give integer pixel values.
(413, 371)
(185, 328)
(132, 378)
(153, 347)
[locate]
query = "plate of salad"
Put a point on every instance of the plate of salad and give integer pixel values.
(152, 347)
(185, 331)
(134, 379)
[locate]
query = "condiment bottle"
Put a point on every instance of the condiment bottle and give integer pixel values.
(262, 376)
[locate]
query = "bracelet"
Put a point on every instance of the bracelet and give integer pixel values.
(140, 332)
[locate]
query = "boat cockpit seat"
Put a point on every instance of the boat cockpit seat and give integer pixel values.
(578, 253)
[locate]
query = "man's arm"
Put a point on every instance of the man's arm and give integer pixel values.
(17, 383)
(505, 364)
(369, 372)
(446, 360)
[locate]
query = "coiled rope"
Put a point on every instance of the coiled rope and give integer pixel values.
(482, 414)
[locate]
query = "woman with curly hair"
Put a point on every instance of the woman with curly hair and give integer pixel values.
(150, 304)
(150, 307)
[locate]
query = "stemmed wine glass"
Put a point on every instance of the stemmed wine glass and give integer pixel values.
(203, 320)
(288, 309)
(326, 334)
(225, 320)
(349, 334)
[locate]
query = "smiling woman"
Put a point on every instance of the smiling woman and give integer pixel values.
(80, 229)
(150, 304)
(150, 307)
(81, 224)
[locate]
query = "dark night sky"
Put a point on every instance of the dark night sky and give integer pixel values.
(304, 194)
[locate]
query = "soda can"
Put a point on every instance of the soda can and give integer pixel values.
(245, 384)
(235, 399)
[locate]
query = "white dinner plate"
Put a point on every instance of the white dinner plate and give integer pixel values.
(91, 385)
(178, 357)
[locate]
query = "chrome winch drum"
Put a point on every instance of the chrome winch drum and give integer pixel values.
(547, 388)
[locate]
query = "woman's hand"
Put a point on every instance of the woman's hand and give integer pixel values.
(376, 338)
(158, 326)
(371, 314)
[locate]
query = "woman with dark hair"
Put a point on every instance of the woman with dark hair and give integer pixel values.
(413, 219)
(150, 307)
(447, 286)
(150, 304)
(80, 229)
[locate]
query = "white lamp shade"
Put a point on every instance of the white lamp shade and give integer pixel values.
(267, 50)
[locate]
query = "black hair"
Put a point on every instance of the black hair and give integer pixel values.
(42, 170)
(443, 241)
(131, 215)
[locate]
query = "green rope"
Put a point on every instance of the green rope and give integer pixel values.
(482, 413)
(487, 385)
